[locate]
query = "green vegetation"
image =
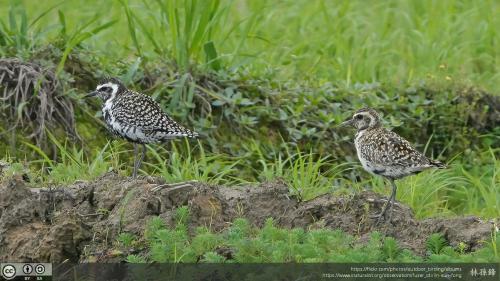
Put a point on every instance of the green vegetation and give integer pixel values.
(391, 41)
(271, 244)
(265, 83)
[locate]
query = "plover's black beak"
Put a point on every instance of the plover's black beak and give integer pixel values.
(347, 123)
(89, 95)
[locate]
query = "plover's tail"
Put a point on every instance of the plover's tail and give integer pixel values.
(192, 134)
(175, 130)
(438, 164)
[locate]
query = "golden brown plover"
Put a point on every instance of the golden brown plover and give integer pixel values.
(136, 117)
(385, 153)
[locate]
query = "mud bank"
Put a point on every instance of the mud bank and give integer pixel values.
(80, 222)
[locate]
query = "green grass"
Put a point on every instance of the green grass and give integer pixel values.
(349, 41)
(73, 163)
(175, 166)
(308, 175)
(271, 244)
(455, 191)
(480, 192)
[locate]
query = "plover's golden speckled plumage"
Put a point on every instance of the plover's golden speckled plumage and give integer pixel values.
(136, 117)
(385, 153)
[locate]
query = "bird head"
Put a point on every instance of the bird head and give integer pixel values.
(363, 119)
(107, 88)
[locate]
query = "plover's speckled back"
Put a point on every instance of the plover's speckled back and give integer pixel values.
(385, 153)
(136, 117)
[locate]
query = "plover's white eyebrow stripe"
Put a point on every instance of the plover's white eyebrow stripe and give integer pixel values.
(109, 84)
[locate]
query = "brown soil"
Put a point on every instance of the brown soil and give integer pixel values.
(81, 221)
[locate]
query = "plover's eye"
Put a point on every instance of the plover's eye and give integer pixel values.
(105, 89)
(359, 117)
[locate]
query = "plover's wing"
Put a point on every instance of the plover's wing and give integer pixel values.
(147, 115)
(401, 152)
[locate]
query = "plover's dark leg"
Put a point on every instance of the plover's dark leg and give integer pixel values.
(134, 173)
(388, 204)
(393, 197)
(138, 161)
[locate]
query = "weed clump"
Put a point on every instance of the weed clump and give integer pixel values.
(33, 100)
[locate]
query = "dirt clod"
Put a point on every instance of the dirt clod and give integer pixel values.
(80, 222)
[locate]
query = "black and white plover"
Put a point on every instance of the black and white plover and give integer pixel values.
(385, 153)
(136, 117)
